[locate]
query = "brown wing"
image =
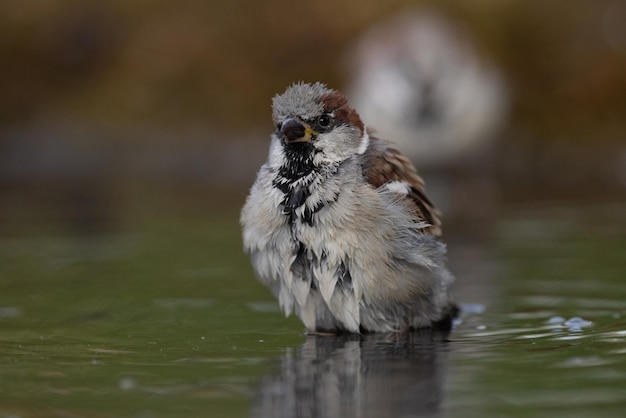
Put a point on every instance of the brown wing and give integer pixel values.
(384, 164)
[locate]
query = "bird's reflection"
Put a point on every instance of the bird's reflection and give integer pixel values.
(376, 375)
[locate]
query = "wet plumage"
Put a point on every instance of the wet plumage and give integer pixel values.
(338, 225)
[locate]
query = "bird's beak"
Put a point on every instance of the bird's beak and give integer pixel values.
(295, 131)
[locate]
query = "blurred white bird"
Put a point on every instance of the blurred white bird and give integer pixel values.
(418, 79)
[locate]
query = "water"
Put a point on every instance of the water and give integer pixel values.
(164, 319)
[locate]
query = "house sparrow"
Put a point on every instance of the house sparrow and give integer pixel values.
(338, 226)
(418, 78)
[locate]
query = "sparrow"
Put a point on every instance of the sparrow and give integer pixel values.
(419, 79)
(337, 223)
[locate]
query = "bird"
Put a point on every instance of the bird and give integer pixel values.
(418, 77)
(421, 78)
(337, 223)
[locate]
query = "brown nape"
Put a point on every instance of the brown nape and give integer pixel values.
(336, 103)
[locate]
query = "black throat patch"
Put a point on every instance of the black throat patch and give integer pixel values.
(299, 162)
(294, 179)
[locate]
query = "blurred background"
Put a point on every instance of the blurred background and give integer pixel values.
(108, 107)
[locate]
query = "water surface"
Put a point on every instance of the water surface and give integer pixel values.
(166, 319)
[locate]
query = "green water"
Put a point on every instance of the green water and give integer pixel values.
(166, 319)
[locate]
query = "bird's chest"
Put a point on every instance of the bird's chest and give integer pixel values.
(319, 251)
(309, 241)
(315, 217)
(309, 209)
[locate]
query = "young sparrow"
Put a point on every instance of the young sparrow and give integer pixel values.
(338, 226)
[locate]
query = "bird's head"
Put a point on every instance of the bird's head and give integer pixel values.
(315, 122)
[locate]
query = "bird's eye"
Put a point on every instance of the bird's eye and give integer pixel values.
(324, 121)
